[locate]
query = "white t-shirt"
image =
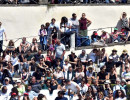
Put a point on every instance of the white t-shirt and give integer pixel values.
(121, 98)
(126, 75)
(80, 75)
(84, 89)
(66, 66)
(9, 87)
(72, 86)
(75, 23)
(66, 29)
(70, 76)
(58, 75)
(92, 56)
(7, 57)
(2, 30)
(14, 61)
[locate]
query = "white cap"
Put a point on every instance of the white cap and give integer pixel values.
(6, 78)
(90, 60)
(110, 57)
(118, 79)
(102, 64)
(123, 80)
(18, 81)
(107, 82)
(72, 50)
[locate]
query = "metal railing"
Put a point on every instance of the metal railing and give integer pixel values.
(89, 31)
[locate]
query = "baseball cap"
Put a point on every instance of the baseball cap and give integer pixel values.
(110, 57)
(18, 81)
(115, 29)
(107, 82)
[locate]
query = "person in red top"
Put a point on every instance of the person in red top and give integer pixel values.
(49, 58)
(84, 23)
(115, 35)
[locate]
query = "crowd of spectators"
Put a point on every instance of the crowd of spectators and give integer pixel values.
(88, 76)
(64, 2)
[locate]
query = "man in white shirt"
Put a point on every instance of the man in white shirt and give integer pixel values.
(83, 57)
(9, 86)
(126, 74)
(2, 31)
(4, 95)
(75, 23)
(84, 87)
(72, 86)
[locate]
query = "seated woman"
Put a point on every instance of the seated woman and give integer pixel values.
(100, 96)
(48, 74)
(120, 95)
(42, 66)
(79, 75)
(105, 37)
(115, 35)
(49, 58)
(10, 68)
(24, 45)
(58, 75)
(91, 64)
(103, 56)
(10, 48)
(20, 88)
(90, 92)
(34, 45)
(24, 76)
(90, 74)
(54, 85)
(110, 95)
(112, 75)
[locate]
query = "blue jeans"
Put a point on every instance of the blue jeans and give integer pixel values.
(61, 62)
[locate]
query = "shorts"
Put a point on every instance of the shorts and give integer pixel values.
(83, 33)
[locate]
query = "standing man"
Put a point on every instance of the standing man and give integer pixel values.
(75, 23)
(74, 29)
(2, 31)
(59, 52)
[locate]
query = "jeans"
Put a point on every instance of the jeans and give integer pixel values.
(61, 62)
(1, 44)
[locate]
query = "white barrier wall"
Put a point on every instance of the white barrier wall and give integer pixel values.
(25, 21)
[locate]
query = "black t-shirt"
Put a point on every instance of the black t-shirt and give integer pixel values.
(63, 98)
(20, 58)
(109, 65)
(33, 66)
(37, 75)
(28, 57)
(123, 56)
(38, 57)
(72, 58)
(102, 76)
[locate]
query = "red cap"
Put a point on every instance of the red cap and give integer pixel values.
(13, 94)
(26, 94)
(96, 33)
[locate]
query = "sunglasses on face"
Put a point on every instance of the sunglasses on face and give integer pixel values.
(110, 93)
